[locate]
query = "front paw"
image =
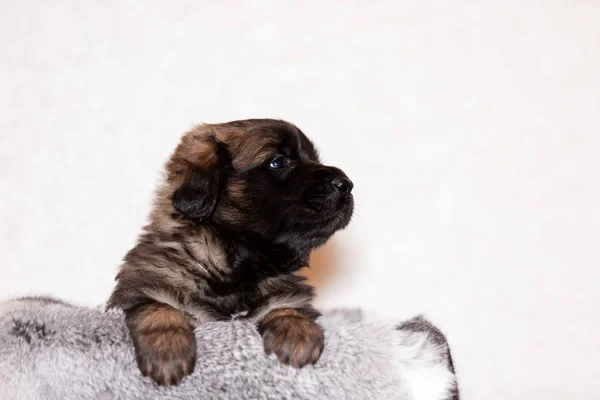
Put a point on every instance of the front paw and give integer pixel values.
(165, 344)
(166, 356)
(295, 339)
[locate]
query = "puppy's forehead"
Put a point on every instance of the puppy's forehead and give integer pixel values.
(257, 141)
(250, 143)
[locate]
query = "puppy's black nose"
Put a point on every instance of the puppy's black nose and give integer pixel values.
(342, 184)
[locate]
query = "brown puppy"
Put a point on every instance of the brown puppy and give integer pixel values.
(241, 207)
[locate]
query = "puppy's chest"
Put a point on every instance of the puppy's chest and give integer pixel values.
(250, 300)
(249, 290)
(234, 299)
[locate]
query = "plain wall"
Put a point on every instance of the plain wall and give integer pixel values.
(470, 129)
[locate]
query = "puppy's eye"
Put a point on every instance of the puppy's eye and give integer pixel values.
(278, 162)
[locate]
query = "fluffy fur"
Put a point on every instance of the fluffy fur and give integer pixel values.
(240, 209)
(55, 351)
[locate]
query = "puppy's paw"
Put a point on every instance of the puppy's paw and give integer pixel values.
(165, 344)
(295, 339)
(166, 356)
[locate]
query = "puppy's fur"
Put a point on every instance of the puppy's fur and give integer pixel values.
(241, 206)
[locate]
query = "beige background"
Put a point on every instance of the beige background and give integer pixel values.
(471, 131)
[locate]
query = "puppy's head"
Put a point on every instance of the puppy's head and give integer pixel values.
(258, 177)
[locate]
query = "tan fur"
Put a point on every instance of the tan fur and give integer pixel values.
(161, 317)
(166, 343)
(196, 149)
(295, 339)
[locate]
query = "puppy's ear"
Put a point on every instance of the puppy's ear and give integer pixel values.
(199, 167)
(197, 197)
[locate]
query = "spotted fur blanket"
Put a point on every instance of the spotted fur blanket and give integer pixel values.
(53, 350)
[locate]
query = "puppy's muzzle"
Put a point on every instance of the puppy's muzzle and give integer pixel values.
(330, 191)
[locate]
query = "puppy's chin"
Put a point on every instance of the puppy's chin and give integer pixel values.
(340, 216)
(329, 221)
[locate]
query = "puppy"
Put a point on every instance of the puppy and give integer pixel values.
(241, 206)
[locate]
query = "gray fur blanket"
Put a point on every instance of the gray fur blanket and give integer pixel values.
(53, 350)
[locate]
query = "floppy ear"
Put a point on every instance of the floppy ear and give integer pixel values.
(203, 179)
